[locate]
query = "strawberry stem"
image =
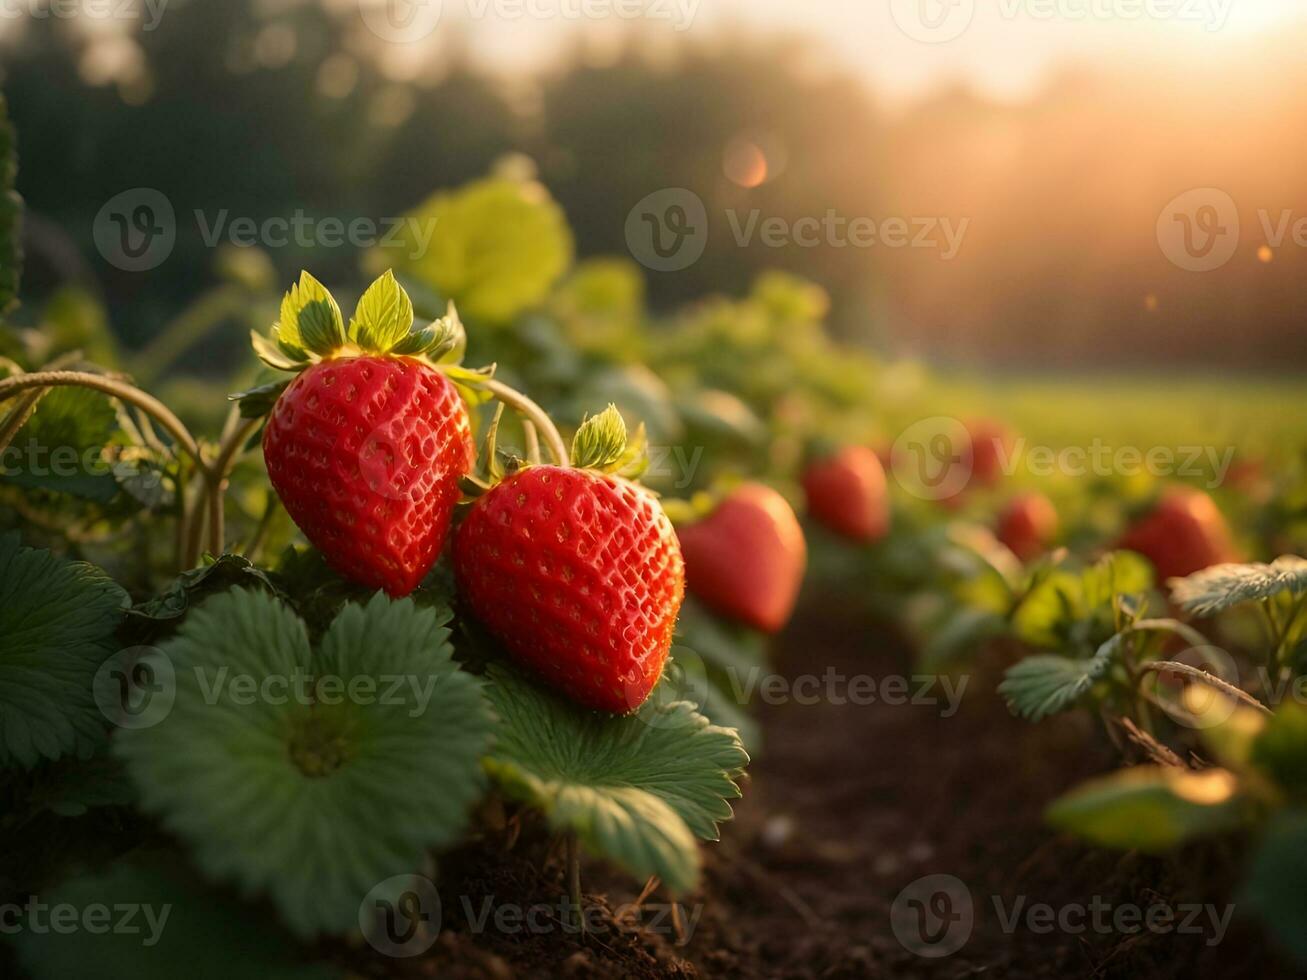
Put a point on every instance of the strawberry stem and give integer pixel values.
(213, 474)
(533, 413)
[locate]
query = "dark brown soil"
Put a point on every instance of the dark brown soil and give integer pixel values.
(849, 805)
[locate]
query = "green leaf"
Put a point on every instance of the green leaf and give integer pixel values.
(1216, 589)
(383, 317)
(57, 623)
(443, 341)
(495, 247)
(600, 442)
(191, 587)
(71, 787)
(11, 214)
(1069, 608)
(179, 928)
(1115, 574)
(1280, 749)
(257, 402)
(277, 355)
(325, 780)
(1045, 617)
(1045, 684)
(1275, 882)
(636, 790)
(1150, 808)
(60, 449)
(310, 319)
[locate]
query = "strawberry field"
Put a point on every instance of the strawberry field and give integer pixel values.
(468, 596)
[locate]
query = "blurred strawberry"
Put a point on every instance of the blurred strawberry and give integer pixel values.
(746, 559)
(1184, 533)
(1028, 524)
(847, 492)
(991, 445)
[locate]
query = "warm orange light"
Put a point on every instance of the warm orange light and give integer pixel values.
(1265, 254)
(744, 163)
(1150, 303)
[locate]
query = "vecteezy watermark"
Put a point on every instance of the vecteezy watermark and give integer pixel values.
(934, 458)
(940, 21)
(1198, 231)
(668, 230)
(1201, 463)
(304, 688)
(137, 687)
(148, 12)
(836, 688)
(402, 917)
(40, 461)
(137, 230)
(833, 230)
(545, 918)
(96, 919)
(407, 21)
(934, 916)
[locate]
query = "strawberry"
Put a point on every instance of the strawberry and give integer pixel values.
(366, 446)
(1184, 533)
(847, 493)
(1027, 525)
(990, 444)
(746, 559)
(576, 571)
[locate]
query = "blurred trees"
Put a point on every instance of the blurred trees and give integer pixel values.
(264, 110)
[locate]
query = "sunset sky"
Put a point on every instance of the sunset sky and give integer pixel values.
(1005, 51)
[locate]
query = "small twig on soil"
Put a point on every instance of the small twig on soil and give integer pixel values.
(1154, 749)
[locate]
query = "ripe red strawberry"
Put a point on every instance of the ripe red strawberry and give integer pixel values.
(847, 493)
(746, 559)
(578, 573)
(366, 446)
(1183, 534)
(1028, 525)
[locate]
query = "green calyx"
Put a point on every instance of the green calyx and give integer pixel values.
(602, 444)
(311, 328)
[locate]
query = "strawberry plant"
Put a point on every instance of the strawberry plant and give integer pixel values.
(312, 729)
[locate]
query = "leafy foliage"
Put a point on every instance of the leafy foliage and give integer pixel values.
(310, 320)
(494, 246)
(61, 447)
(1046, 684)
(1216, 589)
(1070, 609)
(57, 623)
(636, 790)
(192, 586)
(335, 775)
(1150, 808)
(1274, 885)
(179, 928)
(1280, 750)
(11, 211)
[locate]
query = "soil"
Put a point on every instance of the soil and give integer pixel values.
(847, 806)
